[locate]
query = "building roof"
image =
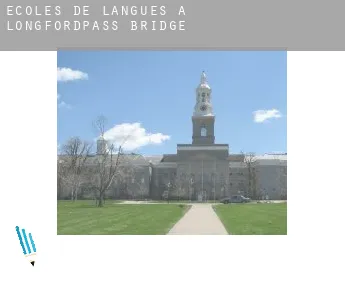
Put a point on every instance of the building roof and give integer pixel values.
(134, 159)
(263, 162)
(155, 159)
(137, 159)
(169, 158)
(282, 157)
(235, 158)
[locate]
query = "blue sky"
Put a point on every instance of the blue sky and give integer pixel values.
(152, 94)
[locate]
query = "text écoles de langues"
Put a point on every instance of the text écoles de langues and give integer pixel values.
(92, 25)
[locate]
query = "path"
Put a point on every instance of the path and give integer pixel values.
(199, 220)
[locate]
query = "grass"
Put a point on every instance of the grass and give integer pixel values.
(84, 218)
(254, 219)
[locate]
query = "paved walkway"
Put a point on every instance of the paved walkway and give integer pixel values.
(199, 220)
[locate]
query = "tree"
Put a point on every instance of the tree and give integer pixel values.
(125, 176)
(249, 160)
(166, 193)
(109, 165)
(178, 183)
(99, 125)
(59, 180)
(71, 165)
(141, 187)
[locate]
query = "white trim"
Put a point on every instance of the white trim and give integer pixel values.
(202, 148)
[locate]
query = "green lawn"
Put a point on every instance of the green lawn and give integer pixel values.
(252, 219)
(84, 218)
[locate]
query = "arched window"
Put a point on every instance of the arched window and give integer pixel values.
(203, 131)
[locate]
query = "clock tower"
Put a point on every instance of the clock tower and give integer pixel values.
(203, 117)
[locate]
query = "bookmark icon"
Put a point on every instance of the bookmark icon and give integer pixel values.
(29, 248)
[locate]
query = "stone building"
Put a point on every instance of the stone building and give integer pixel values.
(202, 170)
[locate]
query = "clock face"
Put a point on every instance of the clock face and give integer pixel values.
(203, 108)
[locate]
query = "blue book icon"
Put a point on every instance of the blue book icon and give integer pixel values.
(27, 244)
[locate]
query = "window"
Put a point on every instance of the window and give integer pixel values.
(203, 131)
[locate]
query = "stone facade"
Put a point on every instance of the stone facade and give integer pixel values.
(202, 170)
(197, 176)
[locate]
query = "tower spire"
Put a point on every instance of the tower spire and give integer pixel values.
(203, 117)
(203, 79)
(203, 104)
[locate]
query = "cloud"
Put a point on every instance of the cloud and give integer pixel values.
(67, 74)
(133, 136)
(263, 115)
(64, 105)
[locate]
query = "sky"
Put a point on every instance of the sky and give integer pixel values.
(150, 96)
